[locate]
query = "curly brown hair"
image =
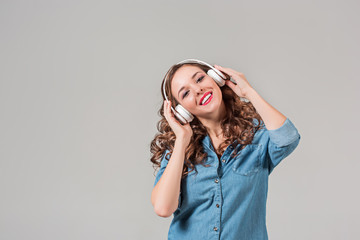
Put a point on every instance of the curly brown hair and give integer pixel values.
(238, 124)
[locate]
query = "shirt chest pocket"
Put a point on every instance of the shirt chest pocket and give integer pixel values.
(248, 162)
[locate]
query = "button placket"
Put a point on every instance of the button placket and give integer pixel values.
(217, 205)
(227, 152)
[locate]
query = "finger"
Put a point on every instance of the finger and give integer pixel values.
(226, 69)
(169, 108)
(165, 107)
(166, 110)
(229, 71)
(230, 84)
(170, 115)
(234, 76)
(222, 70)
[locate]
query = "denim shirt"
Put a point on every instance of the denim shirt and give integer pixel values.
(228, 199)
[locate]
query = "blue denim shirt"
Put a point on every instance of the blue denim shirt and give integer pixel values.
(228, 200)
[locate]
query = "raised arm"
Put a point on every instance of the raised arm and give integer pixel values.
(165, 194)
(272, 118)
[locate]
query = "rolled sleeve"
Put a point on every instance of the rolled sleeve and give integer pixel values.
(284, 135)
(164, 162)
(282, 142)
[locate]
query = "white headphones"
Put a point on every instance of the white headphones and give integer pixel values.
(180, 112)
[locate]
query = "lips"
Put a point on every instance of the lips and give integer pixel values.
(204, 96)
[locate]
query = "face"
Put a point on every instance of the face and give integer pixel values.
(190, 86)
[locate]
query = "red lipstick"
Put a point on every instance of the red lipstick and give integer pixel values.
(205, 94)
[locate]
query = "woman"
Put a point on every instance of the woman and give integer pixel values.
(214, 168)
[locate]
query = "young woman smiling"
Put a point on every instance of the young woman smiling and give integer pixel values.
(214, 170)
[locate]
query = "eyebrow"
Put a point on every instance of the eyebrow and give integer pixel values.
(184, 86)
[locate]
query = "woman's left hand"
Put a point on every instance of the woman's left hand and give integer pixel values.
(242, 87)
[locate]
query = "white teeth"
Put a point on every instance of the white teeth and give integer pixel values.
(206, 98)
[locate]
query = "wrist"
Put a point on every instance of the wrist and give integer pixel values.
(181, 143)
(249, 92)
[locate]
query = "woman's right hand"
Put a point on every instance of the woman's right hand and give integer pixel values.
(182, 132)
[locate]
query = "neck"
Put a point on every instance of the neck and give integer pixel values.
(212, 123)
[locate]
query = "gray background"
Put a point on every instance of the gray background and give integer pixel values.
(80, 91)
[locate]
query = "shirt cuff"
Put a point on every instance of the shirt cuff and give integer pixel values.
(284, 135)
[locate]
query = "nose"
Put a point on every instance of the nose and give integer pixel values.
(198, 90)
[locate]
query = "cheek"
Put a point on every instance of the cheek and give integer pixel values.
(219, 98)
(190, 101)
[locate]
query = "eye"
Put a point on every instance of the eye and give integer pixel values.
(185, 94)
(199, 80)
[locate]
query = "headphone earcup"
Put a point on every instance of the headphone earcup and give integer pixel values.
(219, 80)
(184, 115)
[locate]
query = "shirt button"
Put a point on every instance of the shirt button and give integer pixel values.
(215, 228)
(223, 160)
(217, 205)
(216, 180)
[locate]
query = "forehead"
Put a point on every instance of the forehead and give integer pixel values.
(183, 76)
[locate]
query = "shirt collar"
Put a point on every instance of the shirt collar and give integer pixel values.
(207, 143)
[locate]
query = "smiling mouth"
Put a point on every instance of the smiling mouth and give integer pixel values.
(206, 98)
